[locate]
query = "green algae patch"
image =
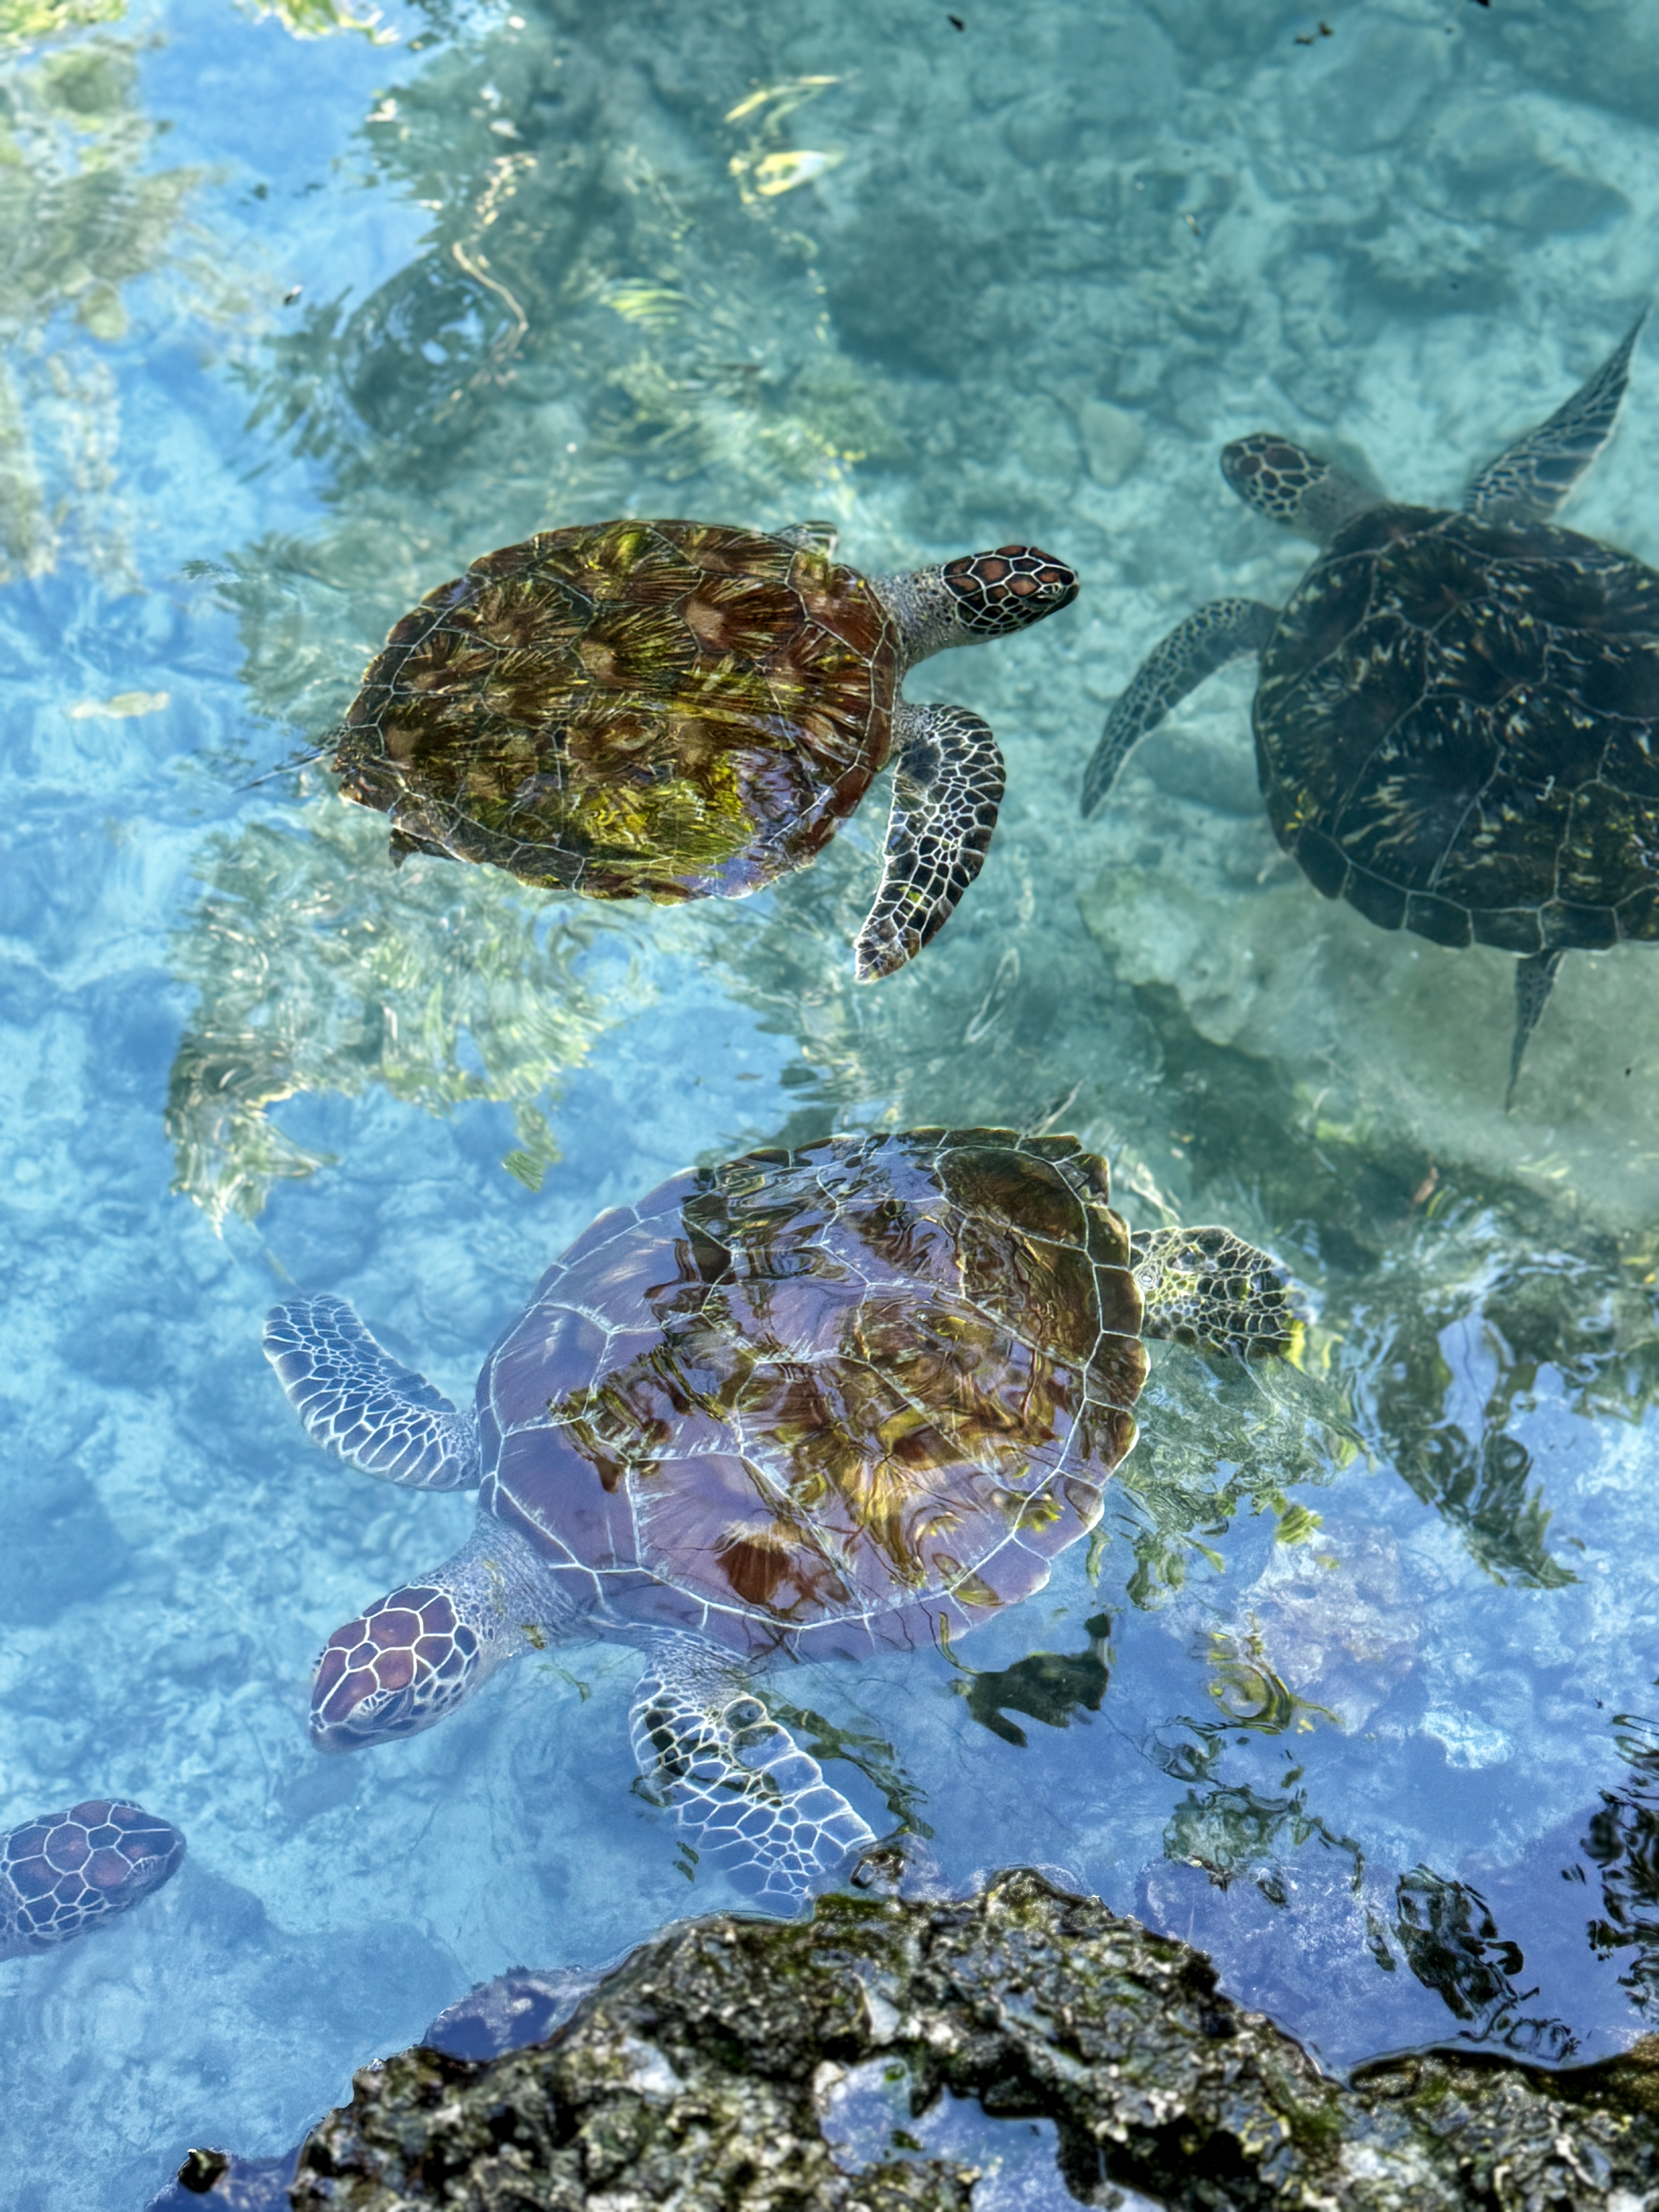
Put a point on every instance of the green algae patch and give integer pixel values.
(706, 2073)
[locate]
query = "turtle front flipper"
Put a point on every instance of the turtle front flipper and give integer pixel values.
(1207, 1288)
(1224, 630)
(1534, 976)
(1530, 479)
(947, 785)
(737, 1779)
(355, 1398)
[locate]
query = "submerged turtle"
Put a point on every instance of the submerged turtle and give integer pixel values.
(64, 1873)
(675, 710)
(1457, 718)
(807, 1405)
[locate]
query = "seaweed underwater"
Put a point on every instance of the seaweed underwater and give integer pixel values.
(1351, 1674)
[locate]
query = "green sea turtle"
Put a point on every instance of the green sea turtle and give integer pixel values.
(675, 710)
(1457, 716)
(809, 1405)
(64, 1873)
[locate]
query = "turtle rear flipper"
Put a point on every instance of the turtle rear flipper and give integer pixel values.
(1210, 636)
(737, 1779)
(1208, 1288)
(1530, 479)
(355, 1398)
(947, 786)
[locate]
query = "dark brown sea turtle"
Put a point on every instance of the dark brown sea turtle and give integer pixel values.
(675, 710)
(1457, 718)
(809, 1405)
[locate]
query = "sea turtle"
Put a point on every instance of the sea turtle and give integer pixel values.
(675, 710)
(807, 1405)
(64, 1873)
(1457, 716)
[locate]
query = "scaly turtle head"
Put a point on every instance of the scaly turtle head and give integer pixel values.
(999, 592)
(974, 597)
(65, 1872)
(397, 1668)
(1293, 487)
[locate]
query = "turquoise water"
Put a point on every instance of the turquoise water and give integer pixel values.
(296, 326)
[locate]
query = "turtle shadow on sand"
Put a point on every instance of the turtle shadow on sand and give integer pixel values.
(1457, 715)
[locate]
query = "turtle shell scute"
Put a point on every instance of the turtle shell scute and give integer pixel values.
(855, 1394)
(665, 710)
(1457, 730)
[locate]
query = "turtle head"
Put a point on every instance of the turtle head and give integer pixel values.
(996, 594)
(1207, 1288)
(977, 596)
(63, 1872)
(396, 1669)
(1292, 486)
(412, 1658)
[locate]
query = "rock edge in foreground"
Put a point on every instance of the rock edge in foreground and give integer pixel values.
(700, 2073)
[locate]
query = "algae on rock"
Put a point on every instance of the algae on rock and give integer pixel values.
(706, 2073)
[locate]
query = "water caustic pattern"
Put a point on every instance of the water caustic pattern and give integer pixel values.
(298, 328)
(319, 972)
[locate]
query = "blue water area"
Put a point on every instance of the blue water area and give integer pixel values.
(301, 313)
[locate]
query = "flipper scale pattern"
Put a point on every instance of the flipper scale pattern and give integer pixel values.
(353, 1399)
(738, 1780)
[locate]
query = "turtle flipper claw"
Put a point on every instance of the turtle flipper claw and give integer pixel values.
(355, 1400)
(737, 1779)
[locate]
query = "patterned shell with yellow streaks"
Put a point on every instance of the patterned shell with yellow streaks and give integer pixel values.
(664, 710)
(854, 1395)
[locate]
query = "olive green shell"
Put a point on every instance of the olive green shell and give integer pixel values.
(664, 710)
(854, 1395)
(1457, 731)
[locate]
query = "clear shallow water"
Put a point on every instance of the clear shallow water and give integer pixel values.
(1046, 265)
